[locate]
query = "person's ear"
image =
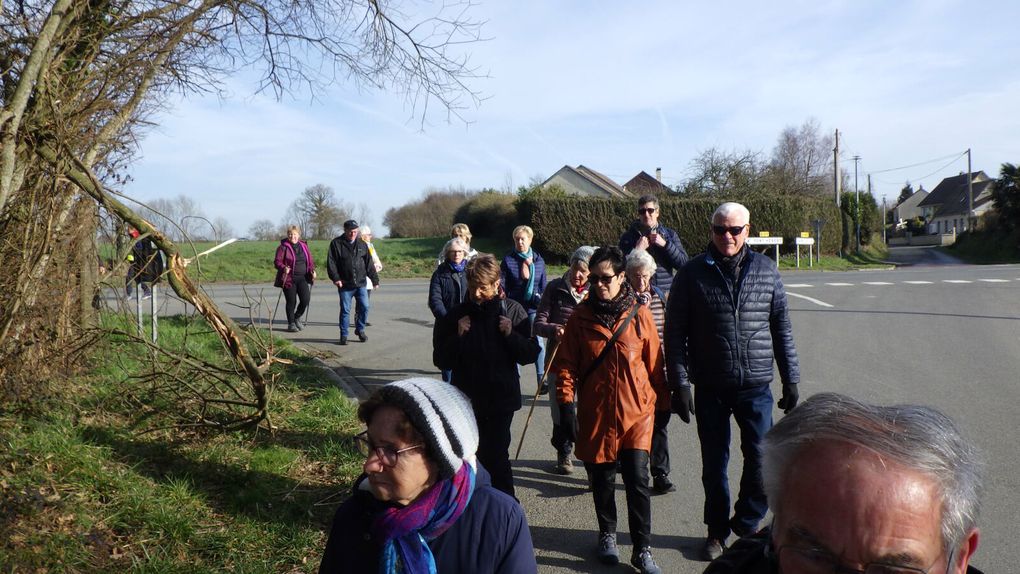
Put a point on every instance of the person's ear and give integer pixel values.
(967, 549)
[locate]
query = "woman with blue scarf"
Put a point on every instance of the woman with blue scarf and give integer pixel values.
(424, 504)
(448, 287)
(522, 275)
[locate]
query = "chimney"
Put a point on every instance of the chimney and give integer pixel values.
(658, 174)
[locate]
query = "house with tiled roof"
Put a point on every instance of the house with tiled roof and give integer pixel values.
(645, 184)
(946, 207)
(583, 180)
(908, 208)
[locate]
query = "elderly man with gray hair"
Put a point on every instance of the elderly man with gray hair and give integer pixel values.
(862, 488)
(727, 321)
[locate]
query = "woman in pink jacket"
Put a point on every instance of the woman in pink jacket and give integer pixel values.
(295, 274)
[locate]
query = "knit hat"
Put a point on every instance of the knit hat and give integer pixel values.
(443, 416)
(582, 254)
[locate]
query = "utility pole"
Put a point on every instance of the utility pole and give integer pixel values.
(835, 170)
(970, 194)
(857, 201)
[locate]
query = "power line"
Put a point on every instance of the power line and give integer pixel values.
(954, 156)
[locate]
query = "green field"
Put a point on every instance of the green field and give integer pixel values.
(87, 485)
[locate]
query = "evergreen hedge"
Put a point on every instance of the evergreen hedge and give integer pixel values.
(562, 224)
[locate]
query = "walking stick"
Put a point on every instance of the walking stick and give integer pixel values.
(531, 411)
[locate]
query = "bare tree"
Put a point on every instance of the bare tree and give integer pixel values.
(222, 230)
(263, 230)
(80, 81)
(321, 213)
(802, 160)
(716, 172)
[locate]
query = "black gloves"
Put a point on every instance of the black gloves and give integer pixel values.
(682, 402)
(790, 396)
(568, 421)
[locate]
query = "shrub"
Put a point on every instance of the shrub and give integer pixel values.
(564, 223)
(489, 214)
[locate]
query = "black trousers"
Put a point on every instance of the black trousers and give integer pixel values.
(660, 444)
(298, 291)
(494, 448)
(634, 468)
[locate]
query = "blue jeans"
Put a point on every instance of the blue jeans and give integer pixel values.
(540, 362)
(360, 317)
(752, 409)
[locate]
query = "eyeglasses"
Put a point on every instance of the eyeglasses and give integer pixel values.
(795, 560)
(387, 454)
(603, 279)
(647, 210)
(723, 230)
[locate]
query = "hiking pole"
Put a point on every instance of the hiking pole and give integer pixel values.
(531, 411)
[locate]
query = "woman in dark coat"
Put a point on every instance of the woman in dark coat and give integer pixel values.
(560, 298)
(295, 274)
(616, 396)
(483, 341)
(448, 286)
(421, 483)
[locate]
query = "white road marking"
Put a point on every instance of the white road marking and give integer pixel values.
(811, 299)
(840, 284)
(918, 282)
(994, 280)
(799, 285)
(956, 281)
(876, 283)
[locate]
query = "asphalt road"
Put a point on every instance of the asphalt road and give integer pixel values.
(947, 336)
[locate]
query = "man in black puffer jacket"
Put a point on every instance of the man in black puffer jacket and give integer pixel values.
(482, 341)
(726, 321)
(661, 242)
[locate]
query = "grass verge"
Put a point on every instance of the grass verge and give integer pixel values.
(987, 247)
(83, 490)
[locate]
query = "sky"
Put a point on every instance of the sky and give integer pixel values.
(619, 87)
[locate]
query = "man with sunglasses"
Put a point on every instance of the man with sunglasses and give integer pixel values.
(661, 242)
(726, 322)
(867, 489)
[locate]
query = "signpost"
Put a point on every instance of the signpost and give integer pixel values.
(764, 239)
(805, 239)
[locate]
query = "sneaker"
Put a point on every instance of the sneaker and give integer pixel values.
(292, 328)
(713, 549)
(362, 336)
(299, 325)
(608, 553)
(662, 484)
(343, 340)
(643, 561)
(563, 463)
(147, 296)
(544, 390)
(367, 324)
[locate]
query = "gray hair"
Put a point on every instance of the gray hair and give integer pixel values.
(365, 230)
(920, 438)
(581, 255)
(641, 260)
(453, 243)
(730, 208)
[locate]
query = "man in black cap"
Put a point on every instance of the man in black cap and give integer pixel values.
(350, 266)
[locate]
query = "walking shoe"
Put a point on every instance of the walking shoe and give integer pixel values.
(608, 553)
(292, 328)
(661, 484)
(563, 463)
(544, 390)
(643, 561)
(713, 549)
(742, 532)
(299, 325)
(362, 336)
(343, 340)
(367, 324)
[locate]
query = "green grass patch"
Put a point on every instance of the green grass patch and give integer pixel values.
(83, 489)
(987, 247)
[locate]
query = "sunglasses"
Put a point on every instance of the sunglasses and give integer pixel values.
(603, 279)
(647, 210)
(723, 230)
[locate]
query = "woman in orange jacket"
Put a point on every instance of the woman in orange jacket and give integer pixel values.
(616, 389)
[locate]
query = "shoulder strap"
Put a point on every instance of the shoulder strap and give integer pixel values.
(609, 345)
